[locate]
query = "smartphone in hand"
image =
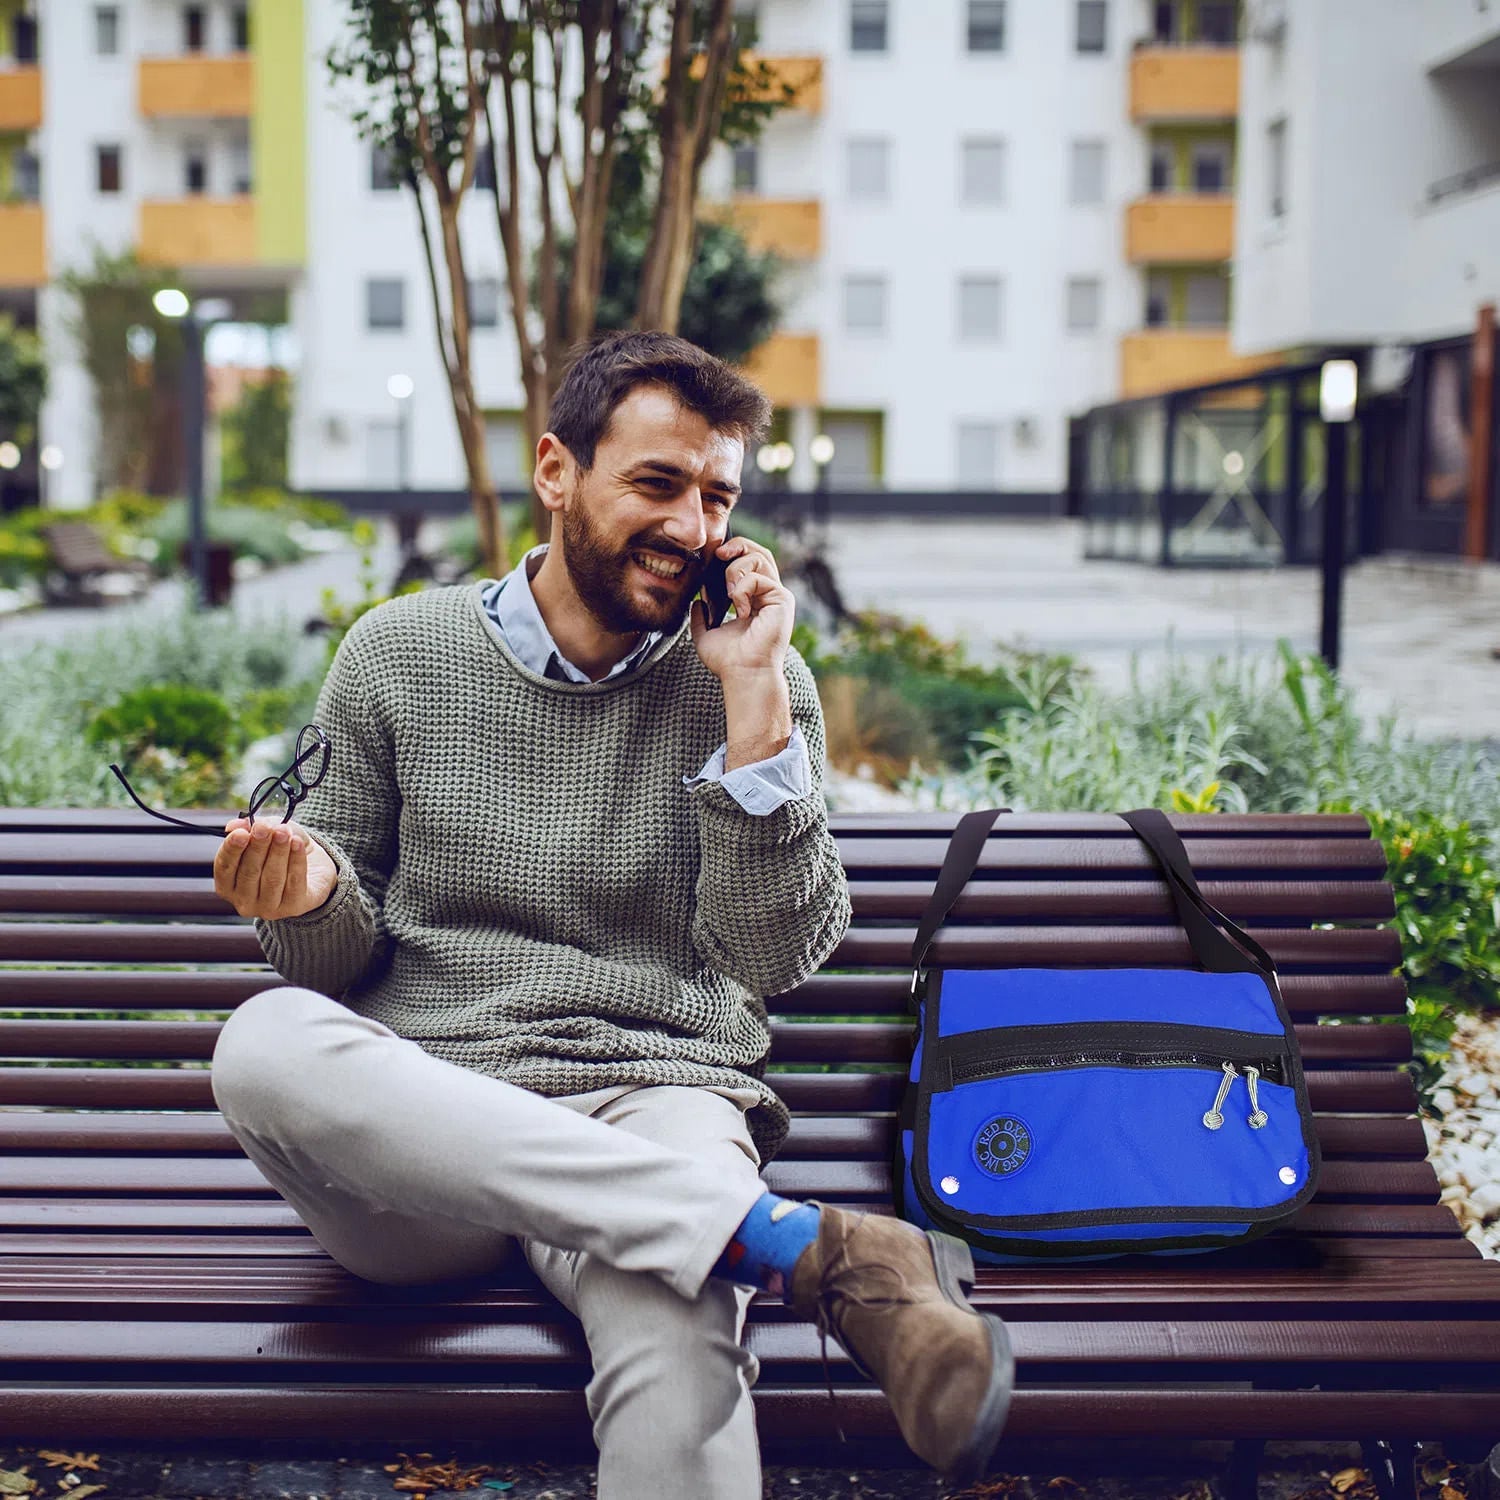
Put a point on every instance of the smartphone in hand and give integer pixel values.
(715, 591)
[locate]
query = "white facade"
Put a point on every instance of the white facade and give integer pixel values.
(984, 407)
(1380, 222)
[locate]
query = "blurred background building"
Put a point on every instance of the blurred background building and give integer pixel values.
(1042, 256)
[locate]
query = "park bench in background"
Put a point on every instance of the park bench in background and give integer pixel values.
(152, 1284)
(84, 571)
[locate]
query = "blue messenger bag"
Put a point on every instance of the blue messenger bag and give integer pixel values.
(1080, 1114)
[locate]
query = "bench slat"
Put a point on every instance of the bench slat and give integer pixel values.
(207, 1134)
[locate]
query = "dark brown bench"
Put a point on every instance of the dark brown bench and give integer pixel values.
(80, 562)
(153, 1284)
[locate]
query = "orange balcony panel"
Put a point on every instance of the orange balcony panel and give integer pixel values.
(23, 245)
(1185, 83)
(1165, 359)
(796, 82)
(196, 87)
(786, 368)
(790, 227)
(20, 98)
(190, 232)
(1167, 228)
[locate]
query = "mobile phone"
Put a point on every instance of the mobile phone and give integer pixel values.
(715, 590)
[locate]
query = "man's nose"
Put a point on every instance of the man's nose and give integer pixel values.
(686, 524)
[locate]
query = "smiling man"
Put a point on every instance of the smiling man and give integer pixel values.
(569, 839)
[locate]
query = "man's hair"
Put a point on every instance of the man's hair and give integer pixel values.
(606, 369)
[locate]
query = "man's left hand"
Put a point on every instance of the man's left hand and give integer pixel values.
(756, 639)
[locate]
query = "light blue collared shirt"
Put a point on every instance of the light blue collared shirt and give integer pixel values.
(759, 788)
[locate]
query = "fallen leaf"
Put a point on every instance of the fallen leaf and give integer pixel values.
(85, 1490)
(69, 1460)
(1449, 1493)
(16, 1482)
(1346, 1479)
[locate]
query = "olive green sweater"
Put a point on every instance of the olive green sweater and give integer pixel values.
(526, 887)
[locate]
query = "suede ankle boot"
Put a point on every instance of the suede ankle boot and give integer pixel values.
(893, 1297)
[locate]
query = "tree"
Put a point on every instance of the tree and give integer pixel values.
(553, 93)
(23, 382)
(255, 432)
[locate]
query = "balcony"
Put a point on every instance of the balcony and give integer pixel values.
(212, 233)
(786, 368)
(23, 245)
(196, 88)
(1165, 359)
(802, 77)
(1174, 229)
(20, 98)
(1184, 83)
(789, 227)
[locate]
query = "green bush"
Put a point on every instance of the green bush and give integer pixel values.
(185, 720)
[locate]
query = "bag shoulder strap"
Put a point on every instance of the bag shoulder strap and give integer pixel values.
(1217, 952)
(964, 851)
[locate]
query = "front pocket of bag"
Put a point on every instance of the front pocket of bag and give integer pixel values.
(1104, 1132)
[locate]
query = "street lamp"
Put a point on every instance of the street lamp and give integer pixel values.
(10, 456)
(51, 460)
(821, 451)
(400, 388)
(196, 317)
(1338, 391)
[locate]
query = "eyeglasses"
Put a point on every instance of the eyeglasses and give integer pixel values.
(276, 794)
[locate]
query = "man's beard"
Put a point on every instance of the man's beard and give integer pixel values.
(600, 577)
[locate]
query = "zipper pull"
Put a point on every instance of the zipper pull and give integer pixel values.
(1258, 1116)
(1214, 1118)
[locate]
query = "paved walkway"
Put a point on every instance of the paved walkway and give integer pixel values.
(1417, 635)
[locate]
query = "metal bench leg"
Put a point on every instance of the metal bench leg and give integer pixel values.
(1243, 1480)
(1392, 1463)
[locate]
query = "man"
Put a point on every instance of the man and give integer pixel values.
(528, 949)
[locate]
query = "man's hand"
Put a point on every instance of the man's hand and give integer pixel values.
(275, 870)
(755, 640)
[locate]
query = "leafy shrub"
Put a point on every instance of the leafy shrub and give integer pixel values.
(187, 720)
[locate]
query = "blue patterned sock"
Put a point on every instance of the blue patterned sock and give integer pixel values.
(767, 1244)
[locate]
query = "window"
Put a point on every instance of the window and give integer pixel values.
(240, 178)
(385, 303)
(1158, 299)
(746, 22)
(195, 167)
(870, 169)
(1086, 172)
(484, 302)
(1276, 141)
(23, 39)
(978, 455)
(857, 440)
(869, 25)
(1216, 23)
(108, 168)
(239, 20)
(983, 176)
(1085, 293)
(107, 30)
(484, 169)
(986, 25)
(1163, 167)
(1164, 22)
(383, 178)
(192, 28)
(978, 307)
(1211, 167)
(1091, 25)
(746, 168)
(1207, 302)
(864, 304)
(26, 176)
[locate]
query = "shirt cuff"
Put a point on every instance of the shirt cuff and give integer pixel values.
(764, 786)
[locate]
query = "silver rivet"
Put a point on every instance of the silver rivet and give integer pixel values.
(949, 1184)
(1288, 1175)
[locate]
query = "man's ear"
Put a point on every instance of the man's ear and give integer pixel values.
(552, 475)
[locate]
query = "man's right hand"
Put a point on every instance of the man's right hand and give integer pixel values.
(275, 871)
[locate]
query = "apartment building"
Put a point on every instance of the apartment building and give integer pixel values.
(992, 214)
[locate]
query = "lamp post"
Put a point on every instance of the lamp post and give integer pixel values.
(196, 318)
(49, 461)
(1338, 391)
(408, 522)
(821, 451)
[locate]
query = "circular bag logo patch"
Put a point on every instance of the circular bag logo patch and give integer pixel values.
(1003, 1145)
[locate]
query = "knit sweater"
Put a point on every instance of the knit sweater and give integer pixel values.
(527, 889)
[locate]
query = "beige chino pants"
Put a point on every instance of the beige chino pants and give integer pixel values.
(408, 1169)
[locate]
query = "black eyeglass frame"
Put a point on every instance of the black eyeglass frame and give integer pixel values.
(312, 745)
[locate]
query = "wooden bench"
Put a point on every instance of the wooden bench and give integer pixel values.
(81, 564)
(153, 1284)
